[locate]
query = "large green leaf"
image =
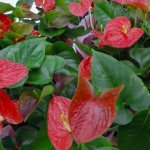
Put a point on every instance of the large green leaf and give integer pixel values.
(29, 52)
(136, 135)
(43, 75)
(105, 11)
(4, 7)
(108, 72)
(142, 56)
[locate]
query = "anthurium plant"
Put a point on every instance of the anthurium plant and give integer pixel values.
(75, 75)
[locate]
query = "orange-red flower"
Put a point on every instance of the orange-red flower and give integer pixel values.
(5, 23)
(83, 118)
(10, 73)
(118, 33)
(47, 5)
(142, 4)
(80, 8)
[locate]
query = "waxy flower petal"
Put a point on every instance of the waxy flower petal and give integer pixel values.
(11, 72)
(5, 23)
(142, 4)
(118, 33)
(91, 116)
(85, 67)
(58, 125)
(80, 8)
(9, 111)
(47, 5)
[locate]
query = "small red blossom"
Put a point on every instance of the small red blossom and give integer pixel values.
(142, 4)
(68, 120)
(35, 32)
(9, 111)
(80, 8)
(11, 72)
(118, 33)
(47, 5)
(5, 23)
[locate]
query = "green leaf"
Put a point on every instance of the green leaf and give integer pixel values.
(22, 28)
(74, 33)
(29, 52)
(64, 50)
(108, 72)
(142, 56)
(12, 36)
(136, 70)
(26, 134)
(43, 75)
(57, 19)
(41, 142)
(45, 30)
(47, 90)
(97, 143)
(135, 135)
(4, 7)
(18, 12)
(105, 11)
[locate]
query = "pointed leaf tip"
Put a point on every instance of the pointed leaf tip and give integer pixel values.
(85, 67)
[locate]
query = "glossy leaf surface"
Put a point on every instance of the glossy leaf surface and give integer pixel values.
(106, 75)
(30, 52)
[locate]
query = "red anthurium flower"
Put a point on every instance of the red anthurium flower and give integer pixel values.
(80, 8)
(9, 111)
(89, 115)
(118, 33)
(5, 23)
(142, 4)
(11, 72)
(84, 118)
(47, 5)
(59, 130)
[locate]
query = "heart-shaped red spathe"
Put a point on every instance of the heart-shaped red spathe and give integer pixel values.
(91, 116)
(47, 5)
(87, 117)
(142, 4)
(11, 72)
(80, 8)
(118, 33)
(60, 137)
(5, 23)
(9, 111)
